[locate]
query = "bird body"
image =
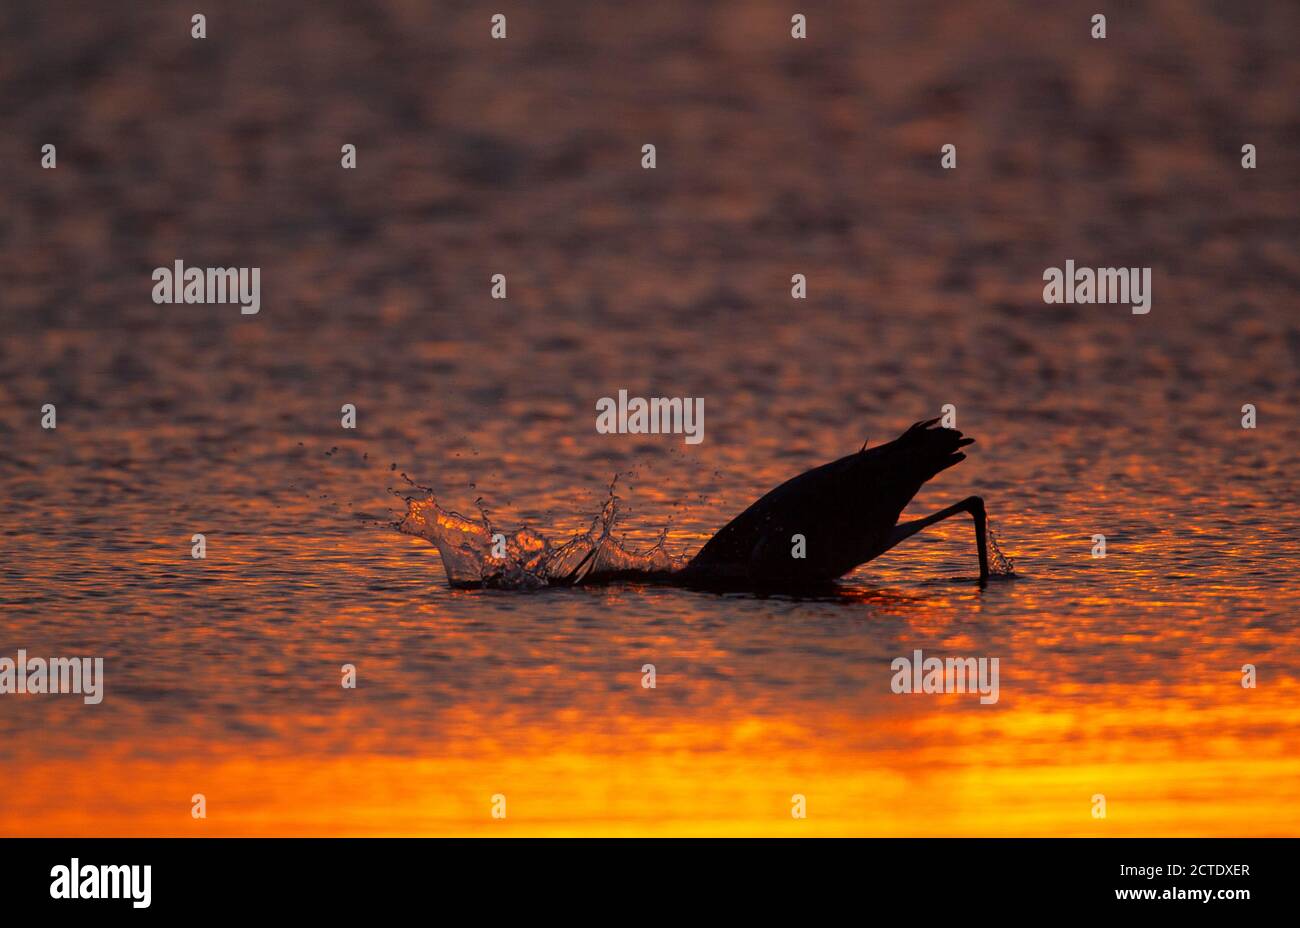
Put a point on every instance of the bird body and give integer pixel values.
(846, 513)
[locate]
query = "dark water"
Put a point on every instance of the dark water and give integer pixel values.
(1120, 676)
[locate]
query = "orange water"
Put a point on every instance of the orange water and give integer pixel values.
(1119, 676)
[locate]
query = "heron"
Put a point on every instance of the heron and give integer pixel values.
(846, 511)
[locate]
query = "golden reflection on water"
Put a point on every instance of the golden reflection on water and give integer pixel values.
(1031, 769)
(540, 699)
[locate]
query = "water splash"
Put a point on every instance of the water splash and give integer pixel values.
(1000, 565)
(530, 560)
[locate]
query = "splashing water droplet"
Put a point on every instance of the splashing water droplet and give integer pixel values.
(530, 560)
(1000, 565)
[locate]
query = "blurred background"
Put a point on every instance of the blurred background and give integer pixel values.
(522, 157)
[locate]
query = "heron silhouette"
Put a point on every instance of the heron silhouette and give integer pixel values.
(847, 512)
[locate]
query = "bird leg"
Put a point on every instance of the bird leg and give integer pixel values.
(972, 504)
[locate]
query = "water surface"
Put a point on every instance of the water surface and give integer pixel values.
(1119, 676)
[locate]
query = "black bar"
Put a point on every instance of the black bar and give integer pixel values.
(641, 879)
